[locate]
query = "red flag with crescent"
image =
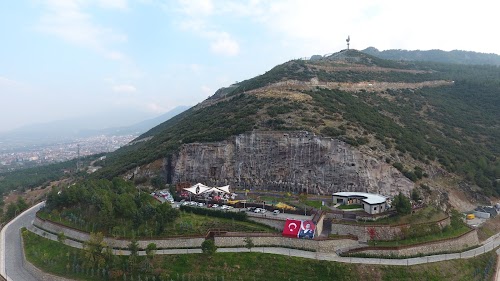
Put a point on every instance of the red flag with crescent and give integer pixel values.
(291, 228)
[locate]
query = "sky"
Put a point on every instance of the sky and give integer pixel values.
(62, 59)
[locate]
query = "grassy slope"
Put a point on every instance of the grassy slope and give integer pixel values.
(53, 257)
(186, 224)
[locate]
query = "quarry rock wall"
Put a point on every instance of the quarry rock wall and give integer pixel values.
(286, 161)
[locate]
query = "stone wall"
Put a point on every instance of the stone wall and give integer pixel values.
(324, 246)
(166, 243)
(465, 241)
(286, 161)
(379, 232)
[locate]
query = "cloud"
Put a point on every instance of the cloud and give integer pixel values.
(4, 81)
(68, 20)
(155, 108)
(113, 4)
(206, 90)
(196, 8)
(124, 88)
(196, 17)
(223, 44)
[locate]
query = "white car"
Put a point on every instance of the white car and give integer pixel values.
(257, 210)
(215, 206)
(201, 204)
(263, 210)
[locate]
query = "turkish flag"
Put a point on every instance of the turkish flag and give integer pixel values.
(292, 228)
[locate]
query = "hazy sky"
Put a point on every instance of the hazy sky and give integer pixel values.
(67, 58)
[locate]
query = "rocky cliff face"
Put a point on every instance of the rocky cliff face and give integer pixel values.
(286, 161)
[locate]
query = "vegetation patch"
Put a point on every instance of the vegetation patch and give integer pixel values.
(59, 259)
(422, 233)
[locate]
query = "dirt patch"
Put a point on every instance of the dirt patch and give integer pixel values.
(488, 228)
(294, 96)
(30, 196)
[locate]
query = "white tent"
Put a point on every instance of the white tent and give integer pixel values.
(224, 189)
(197, 188)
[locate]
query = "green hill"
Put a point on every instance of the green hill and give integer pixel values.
(421, 114)
(455, 56)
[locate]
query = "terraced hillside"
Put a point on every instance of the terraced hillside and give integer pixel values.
(426, 125)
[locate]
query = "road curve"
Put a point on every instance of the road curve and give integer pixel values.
(11, 259)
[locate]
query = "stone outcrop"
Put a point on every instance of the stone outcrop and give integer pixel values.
(286, 161)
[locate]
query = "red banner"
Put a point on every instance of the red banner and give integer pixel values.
(292, 228)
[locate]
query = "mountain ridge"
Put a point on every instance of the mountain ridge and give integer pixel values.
(436, 55)
(407, 114)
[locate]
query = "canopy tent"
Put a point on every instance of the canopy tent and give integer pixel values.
(197, 188)
(224, 189)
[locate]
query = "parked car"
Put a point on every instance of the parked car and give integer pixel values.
(251, 209)
(276, 212)
(257, 210)
(215, 206)
(201, 204)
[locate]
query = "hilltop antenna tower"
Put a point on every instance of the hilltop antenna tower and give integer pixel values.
(348, 40)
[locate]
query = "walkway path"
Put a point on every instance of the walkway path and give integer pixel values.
(11, 254)
(486, 247)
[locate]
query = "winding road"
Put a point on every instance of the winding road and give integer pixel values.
(11, 259)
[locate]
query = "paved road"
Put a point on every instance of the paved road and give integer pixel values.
(11, 254)
(11, 261)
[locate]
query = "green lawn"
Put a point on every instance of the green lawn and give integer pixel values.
(186, 224)
(314, 203)
(446, 233)
(59, 259)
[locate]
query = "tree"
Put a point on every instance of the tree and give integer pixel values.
(402, 204)
(208, 247)
(21, 204)
(150, 254)
(134, 254)
(415, 195)
(150, 250)
(94, 250)
(164, 214)
(12, 211)
(249, 243)
(61, 237)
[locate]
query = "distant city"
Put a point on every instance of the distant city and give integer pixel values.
(42, 155)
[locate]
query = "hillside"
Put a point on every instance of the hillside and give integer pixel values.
(438, 124)
(455, 56)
